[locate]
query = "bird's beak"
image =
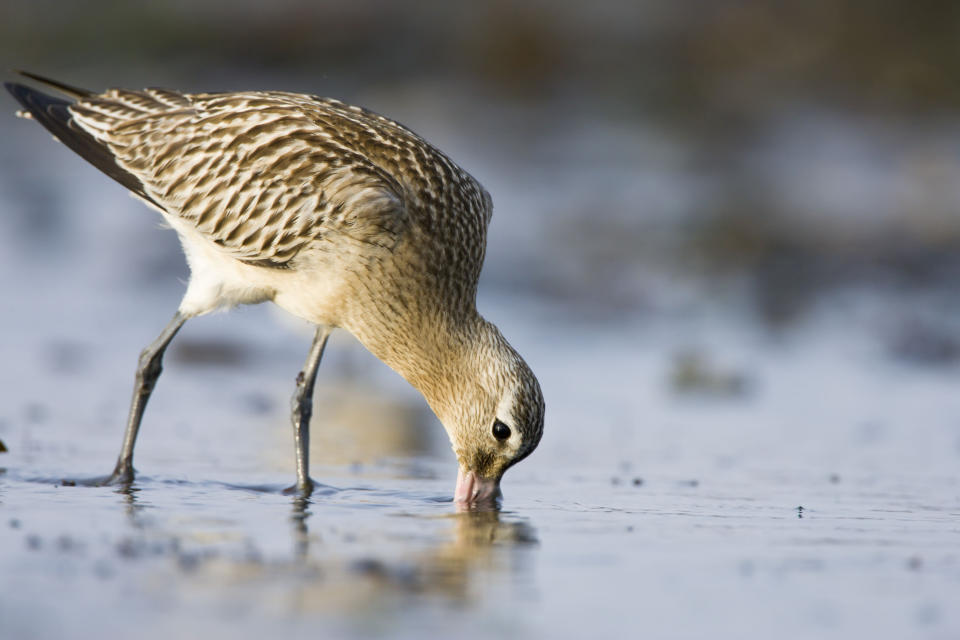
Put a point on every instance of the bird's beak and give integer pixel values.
(474, 489)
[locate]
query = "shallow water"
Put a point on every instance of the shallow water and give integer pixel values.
(701, 474)
(798, 505)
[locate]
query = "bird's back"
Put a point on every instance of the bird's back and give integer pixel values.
(339, 215)
(263, 174)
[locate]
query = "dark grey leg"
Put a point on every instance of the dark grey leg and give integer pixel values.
(148, 370)
(302, 409)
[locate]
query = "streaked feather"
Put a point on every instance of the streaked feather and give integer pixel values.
(264, 174)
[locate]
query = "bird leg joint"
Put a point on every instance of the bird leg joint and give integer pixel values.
(149, 369)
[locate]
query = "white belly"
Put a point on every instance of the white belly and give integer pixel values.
(219, 281)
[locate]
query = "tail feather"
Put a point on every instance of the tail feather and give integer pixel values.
(54, 114)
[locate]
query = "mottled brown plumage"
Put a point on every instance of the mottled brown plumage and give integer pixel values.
(336, 214)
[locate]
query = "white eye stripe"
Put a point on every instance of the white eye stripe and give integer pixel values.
(505, 407)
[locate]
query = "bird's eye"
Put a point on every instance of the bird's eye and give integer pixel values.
(500, 431)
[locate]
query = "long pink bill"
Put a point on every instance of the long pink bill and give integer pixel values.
(474, 490)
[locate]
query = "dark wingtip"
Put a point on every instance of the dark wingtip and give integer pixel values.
(35, 102)
(54, 114)
(21, 94)
(73, 92)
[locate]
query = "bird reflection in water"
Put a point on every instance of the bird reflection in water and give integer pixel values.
(479, 542)
(356, 564)
(132, 505)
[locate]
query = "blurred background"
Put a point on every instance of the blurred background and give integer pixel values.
(761, 153)
(699, 183)
(703, 185)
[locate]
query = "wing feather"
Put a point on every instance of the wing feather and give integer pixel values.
(54, 114)
(260, 174)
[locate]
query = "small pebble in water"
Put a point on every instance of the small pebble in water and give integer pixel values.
(258, 403)
(638, 482)
(3, 447)
(128, 548)
(14, 523)
(914, 563)
(369, 567)
(615, 481)
(834, 478)
(188, 561)
(66, 543)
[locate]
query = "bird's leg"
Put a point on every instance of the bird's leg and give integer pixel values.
(302, 410)
(148, 370)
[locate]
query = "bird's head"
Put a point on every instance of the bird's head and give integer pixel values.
(492, 408)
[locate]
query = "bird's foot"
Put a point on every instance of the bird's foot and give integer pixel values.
(301, 489)
(122, 476)
(119, 478)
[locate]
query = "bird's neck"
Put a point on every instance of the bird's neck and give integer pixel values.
(444, 357)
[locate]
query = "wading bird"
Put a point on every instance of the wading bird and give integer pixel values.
(333, 213)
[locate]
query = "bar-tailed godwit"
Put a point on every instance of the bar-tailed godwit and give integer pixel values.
(335, 214)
